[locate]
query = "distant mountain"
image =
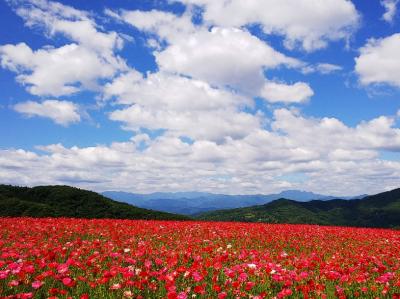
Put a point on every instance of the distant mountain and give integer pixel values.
(307, 196)
(190, 203)
(65, 201)
(380, 210)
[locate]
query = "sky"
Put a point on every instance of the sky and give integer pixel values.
(235, 97)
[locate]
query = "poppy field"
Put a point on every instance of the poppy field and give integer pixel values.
(78, 258)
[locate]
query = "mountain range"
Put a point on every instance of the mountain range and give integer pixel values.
(380, 210)
(191, 203)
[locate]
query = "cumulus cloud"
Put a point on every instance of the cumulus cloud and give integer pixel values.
(379, 61)
(70, 68)
(330, 155)
(223, 56)
(390, 9)
(377, 134)
(194, 120)
(183, 106)
(55, 71)
(220, 56)
(165, 25)
(299, 92)
(77, 25)
(163, 90)
(61, 112)
(313, 28)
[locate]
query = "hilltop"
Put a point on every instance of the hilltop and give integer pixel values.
(380, 210)
(65, 201)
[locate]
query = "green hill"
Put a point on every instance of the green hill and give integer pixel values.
(65, 201)
(380, 210)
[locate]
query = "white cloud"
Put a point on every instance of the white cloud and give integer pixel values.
(327, 68)
(299, 92)
(184, 107)
(166, 91)
(204, 87)
(328, 154)
(331, 133)
(390, 9)
(61, 112)
(224, 57)
(55, 71)
(216, 126)
(208, 54)
(379, 61)
(69, 68)
(77, 25)
(305, 22)
(322, 68)
(165, 25)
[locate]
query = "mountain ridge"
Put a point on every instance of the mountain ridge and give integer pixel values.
(379, 210)
(45, 201)
(190, 203)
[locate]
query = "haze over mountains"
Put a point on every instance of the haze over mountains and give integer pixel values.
(379, 210)
(190, 203)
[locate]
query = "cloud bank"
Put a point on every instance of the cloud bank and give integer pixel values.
(210, 116)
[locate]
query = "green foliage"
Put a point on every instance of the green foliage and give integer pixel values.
(65, 201)
(380, 210)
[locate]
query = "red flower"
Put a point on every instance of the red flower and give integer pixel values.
(67, 281)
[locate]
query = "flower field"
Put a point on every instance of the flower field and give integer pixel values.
(76, 258)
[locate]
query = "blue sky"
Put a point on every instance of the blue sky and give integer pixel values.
(201, 95)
